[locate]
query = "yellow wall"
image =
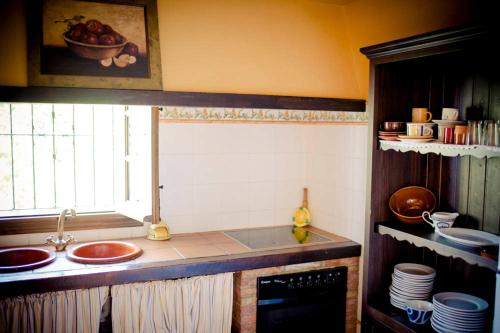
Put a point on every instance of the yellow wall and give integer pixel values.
(371, 22)
(286, 47)
(13, 68)
(283, 47)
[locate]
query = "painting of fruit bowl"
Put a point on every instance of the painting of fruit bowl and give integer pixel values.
(94, 40)
(93, 51)
(101, 39)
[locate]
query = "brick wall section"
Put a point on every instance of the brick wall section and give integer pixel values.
(245, 291)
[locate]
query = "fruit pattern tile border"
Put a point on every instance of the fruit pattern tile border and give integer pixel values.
(173, 113)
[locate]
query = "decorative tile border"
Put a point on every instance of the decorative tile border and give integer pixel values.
(174, 113)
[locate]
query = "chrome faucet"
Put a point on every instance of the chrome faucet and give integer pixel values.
(60, 243)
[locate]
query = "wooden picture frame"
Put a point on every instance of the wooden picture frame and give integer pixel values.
(94, 44)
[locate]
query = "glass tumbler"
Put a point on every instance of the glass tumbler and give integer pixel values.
(497, 133)
(488, 137)
(474, 132)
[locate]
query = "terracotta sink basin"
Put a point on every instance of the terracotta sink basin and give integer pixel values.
(105, 252)
(24, 259)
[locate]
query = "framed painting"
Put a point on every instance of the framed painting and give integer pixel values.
(94, 44)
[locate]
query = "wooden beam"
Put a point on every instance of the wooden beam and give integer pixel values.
(175, 98)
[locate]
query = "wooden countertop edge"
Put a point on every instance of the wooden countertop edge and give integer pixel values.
(173, 269)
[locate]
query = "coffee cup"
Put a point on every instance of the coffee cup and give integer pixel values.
(440, 219)
(418, 129)
(450, 114)
(420, 115)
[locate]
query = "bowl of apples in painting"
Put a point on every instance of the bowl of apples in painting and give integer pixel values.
(98, 41)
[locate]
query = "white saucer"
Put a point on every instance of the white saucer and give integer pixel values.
(414, 139)
(448, 122)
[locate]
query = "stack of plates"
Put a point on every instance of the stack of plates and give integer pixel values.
(458, 313)
(409, 282)
(389, 136)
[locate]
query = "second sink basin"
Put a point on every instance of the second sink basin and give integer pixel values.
(105, 252)
(24, 259)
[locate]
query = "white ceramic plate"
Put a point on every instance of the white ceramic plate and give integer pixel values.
(407, 294)
(410, 292)
(413, 277)
(448, 122)
(460, 323)
(404, 299)
(452, 312)
(418, 284)
(399, 305)
(414, 271)
(446, 328)
(404, 289)
(458, 327)
(469, 237)
(460, 302)
(471, 316)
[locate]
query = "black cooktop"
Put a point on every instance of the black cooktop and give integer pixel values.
(261, 238)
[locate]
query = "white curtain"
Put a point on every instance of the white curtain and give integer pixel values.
(54, 312)
(198, 304)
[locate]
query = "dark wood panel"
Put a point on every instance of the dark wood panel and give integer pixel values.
(492, 191)
(477, 177)
(175, 98)
(446, 40)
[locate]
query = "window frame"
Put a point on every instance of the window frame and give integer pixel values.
(90, 221)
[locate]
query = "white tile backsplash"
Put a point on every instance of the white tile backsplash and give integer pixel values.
(176, 138)
(261, 196)
(261, 167)
(177, 169)
(250, 175)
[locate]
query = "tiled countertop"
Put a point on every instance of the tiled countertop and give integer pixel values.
(182, 256)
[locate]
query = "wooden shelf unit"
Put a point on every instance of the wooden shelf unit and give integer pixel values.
(449, 150)
(424, 236)
(448, 68)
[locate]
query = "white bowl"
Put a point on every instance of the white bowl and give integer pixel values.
(418, 311)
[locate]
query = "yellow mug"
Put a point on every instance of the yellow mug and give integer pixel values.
(420, 115)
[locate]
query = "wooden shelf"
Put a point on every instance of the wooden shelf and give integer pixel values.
(424, 236)
(396, 319)
(442, 149)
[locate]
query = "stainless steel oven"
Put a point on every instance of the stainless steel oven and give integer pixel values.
(313, 301)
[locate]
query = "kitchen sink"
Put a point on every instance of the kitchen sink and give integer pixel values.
(24, 259)
(104, 252)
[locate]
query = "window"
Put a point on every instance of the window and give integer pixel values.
(95, 158)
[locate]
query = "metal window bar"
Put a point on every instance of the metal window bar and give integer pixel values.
(93, 155)
(33, 156)
(12, 159)
(113, 149)
(127, 147)
(54, 153)
(74, 155)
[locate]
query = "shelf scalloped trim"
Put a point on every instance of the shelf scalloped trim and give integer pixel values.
(443, 149)
(453, 253)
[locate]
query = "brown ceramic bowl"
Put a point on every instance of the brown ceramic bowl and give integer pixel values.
(394, 126)
(91, 51)
(408, 203)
